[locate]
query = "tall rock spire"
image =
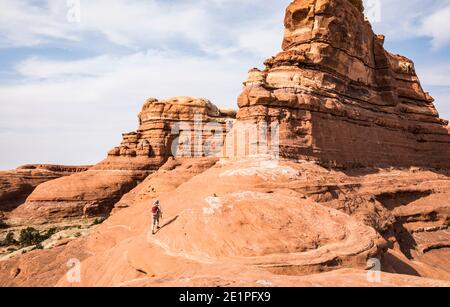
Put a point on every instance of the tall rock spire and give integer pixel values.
(340, 97)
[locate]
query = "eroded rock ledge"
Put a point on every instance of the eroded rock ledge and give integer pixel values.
(163, 126)
(341, 99)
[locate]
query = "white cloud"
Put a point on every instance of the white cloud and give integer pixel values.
(437, 26)
(262, 39)
(144, 73)
(209, 26)
(207, 23)
(23, 23)
(405, 19)
(442, 102)
(60, 102)
(436, 75)
(136, 23)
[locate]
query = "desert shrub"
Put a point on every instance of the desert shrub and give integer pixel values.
(98, 221)
(9, 240)
(38, 246)
(31, 236)
(3, 224)
(51, 232)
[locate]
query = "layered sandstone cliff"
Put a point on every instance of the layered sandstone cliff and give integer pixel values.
(340, 98)
(16, 185)
(166, 129)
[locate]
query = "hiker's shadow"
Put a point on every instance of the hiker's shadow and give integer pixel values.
(167, 224)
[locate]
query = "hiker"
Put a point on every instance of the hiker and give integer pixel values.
(157, 214)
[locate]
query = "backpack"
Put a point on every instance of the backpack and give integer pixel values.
(155, 210)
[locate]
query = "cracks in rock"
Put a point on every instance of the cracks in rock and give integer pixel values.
(141, 271)
(434, 247)
(329, 43)
(391, 200)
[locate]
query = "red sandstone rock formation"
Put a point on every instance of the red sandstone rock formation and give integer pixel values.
(341, 99)
(17, 185)
(284, 224)
(165, 127)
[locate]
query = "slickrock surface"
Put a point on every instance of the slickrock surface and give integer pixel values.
(364, 174)
(88, 194)
(252, 223)
(340, 97)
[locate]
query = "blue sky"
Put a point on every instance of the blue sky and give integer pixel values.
(71, 83)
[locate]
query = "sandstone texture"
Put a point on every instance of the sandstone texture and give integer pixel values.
(340, 97)
(267, 224)
(16, 185)
(166, 129)
(361, 178)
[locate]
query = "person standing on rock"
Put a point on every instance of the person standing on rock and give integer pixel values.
(157, 214)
